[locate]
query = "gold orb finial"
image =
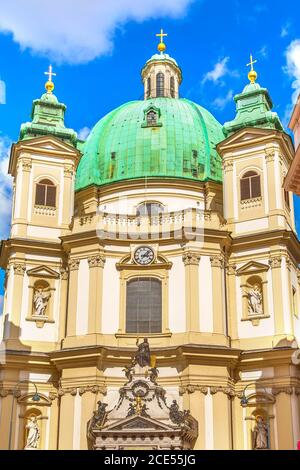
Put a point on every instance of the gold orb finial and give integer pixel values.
(252, 75)
(161, 46)
(49, 84)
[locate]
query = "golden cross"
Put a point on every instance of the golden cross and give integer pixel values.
(162, 35)
(50, 73)
(252, 62)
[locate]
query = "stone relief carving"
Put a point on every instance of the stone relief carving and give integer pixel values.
(191, 258)
(74, 264)
(33, 435)
(217, 261)
(96, 261)
(275, 262)
(19, 268)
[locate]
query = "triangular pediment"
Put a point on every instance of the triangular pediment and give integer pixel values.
(137, 422)
(29, 399)
(43, 271)
(47, 143)
(252, 267)
(255, 135)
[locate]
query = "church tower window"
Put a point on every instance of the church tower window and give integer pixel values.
(172, 87)
(160, 85)
(144, 305)
(250, 186)
(45, 194)
(151, 118)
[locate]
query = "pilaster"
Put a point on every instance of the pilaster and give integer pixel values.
(191, 262)
(217, 264)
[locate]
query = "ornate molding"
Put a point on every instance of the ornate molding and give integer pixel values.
(227, 165)
(96, 261)
(231, 269)
(191, 258)
(64, 273)
(226, 390)
(68, 171)
(81, 390)
(270, 154)
(19, 268)
(275, 261)
(192, 388)
(287, 390)
(217, 261)
(26, 164)
(74, 264)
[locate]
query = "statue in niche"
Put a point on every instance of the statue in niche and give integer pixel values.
(260, 434)
(33, 435)
(40, 301)
(142, 356)
(255, 299)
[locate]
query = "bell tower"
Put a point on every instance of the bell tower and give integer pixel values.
(161, 74)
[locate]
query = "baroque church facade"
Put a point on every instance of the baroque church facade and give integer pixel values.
(165, 233)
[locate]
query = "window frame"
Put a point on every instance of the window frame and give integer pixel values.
(248, 178)
(160, 85)
(45, 184)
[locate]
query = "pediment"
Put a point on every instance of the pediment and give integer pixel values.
(27, 399)
(43, 271)
(137, 422)
(245, 135)
(252, 267)
(260, 398)
(48, 143)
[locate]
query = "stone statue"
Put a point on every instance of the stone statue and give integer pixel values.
(177, 417)
(40, 301)
(33, 435)
(255, 300)
(260, 434)
(142, 357)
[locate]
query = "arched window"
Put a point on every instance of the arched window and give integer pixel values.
(144, 305)
(160, 84)
(148, 87)
(149, 209)
(172, 87)
(45, 194)
(250, 185)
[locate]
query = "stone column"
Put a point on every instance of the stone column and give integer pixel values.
(64, 276)
(275, 264)
(72, 296)
(67, 199)
(96, 265)
(191, 262)
(17, 288)
(284, 418)
(228, 182)
(222, 419)
(194, 401)
(217, 264)
(54, 423)
(231, 302)
(66, 420)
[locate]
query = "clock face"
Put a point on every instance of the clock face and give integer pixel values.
(144, 255)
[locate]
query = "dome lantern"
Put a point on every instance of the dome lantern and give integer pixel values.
(161, 74)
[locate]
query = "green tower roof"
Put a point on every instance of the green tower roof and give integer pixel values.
(48, 118)
(254, 109)
(182, 143)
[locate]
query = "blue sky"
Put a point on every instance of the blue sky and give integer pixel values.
(97, 49)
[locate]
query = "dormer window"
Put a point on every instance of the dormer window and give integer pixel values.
(152, 118)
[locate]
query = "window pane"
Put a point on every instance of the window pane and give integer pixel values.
(255, 186)
(40, 195)
(144, 306)
(245, 189)
(160, 84)
(51, 196)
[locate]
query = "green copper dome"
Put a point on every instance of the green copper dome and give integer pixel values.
(126, 143)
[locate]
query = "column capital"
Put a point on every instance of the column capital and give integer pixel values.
(270, 154)
(217, 261)
(64, 273)
(227, 165)
(231, 269)
(191, 258)
(19, 268)
(275, 261)
(97, 261)
(74, 264)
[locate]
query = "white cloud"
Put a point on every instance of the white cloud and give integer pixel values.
(220, 70)
(292, 68)
(5, 188)
(84, 133)
(2, 92)
(285, 30)
(77, 31)
(264, 51)
(221, 102)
